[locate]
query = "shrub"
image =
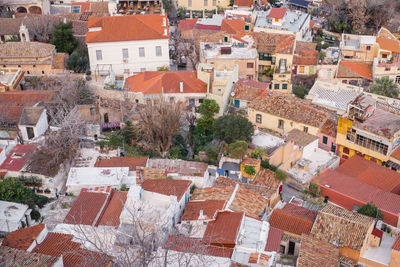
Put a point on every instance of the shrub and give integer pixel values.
(123, 187)
(238, 149)
(231, 128)
(250, 170)
(314, 190)
(257, 153)
(280, 175)
(371, 210)
(300, 91)
(35, 215)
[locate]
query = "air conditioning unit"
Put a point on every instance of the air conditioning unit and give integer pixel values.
(125, 60)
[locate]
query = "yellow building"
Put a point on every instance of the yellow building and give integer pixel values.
(10, 79)
(250, 162)
(369, 130)
(275, 56)
(358, 47)
(203, 4)
(282, 113)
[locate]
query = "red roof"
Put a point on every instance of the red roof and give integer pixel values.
(232, 26)
(354, 69)
(56, 244)
(225, 229)
(293, 219)
(312, 23)
(277, 13)
(114, 209)
(127, 28)
(209, 208)
(360, 191)
(86, 208)
(187, 24)
(396, 244)
(377, 232)
(18, 158)
(131, 162)
(168, 82)
(371, 173)
(243, 3)
(167, 187)
(191, 245)
(23, 238)
(274, 239)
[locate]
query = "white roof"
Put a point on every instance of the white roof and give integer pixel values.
(94, 176)
(11, 214)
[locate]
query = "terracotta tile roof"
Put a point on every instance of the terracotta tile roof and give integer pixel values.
(150, 173)
(188, 168)
(187, 24)
(314, 252)
(209, 208)
(305, 54)
(136, 27)
(99, 7)
(243, 3)
(371, 173)
(293, 219)
(301, 138)
(396, 244)
(25, 50)
(224, 230)
(10, 26)
(23, 238)
(31, 115)
(251, 161)
(86, 208)
(388, 44)
(274, 43)
(154, 82)
(312, 24)
(260, 259)
(341, 227)
(329, 128)
(245, 200)
(113, 209)
(56, 244)
(249, 89)
(10, 257)
(232, 26)
(196, 246)
(266, 178)
(167, 187)
(18, 157)
(354, 69)
(355, 189)
(292, 108)
(274, 239)
(277, 13)
(132, 162)
(396, 153)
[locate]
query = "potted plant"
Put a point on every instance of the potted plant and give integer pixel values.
(88, 77)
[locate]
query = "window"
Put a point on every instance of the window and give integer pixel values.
(30, 133)
(305, 129)
(284, 85)
(92, 111)
(126, 71)
(201, 100)
(142, 69)
(189, 2)
(141, 52)
(276, 86)
(34, 66)
(282, 249)
(246, 27)
(250, 65)
(191, 102)
(205, 2)
(384, 55)
(99, 55)
(397, 79)
(281, 124)
(368, 47)
(214, 2)
(226, 39)
(42, 71)
(19, 66)
(325, 140)
(4, 66)
(125, 53)
(301, 69)
(333, 148)
(258, 118)
(76, 9)
(346, 150)
(158, 51)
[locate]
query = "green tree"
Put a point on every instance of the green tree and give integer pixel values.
(384, 86)
(63, 38)
(208, 109)
(78, 61)
(371, 210)
(281, 175)
(250, 170)
(128, 132)
(257, 153)
(181, 12)
(300, 91)
(314, 190)
(238, 149)
(230, 128)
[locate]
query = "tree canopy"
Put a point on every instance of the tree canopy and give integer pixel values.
(384, 86)
(63, 38)
(78, 61)
(230, 128)
(371, 210)
(208, 109)
(238, 149)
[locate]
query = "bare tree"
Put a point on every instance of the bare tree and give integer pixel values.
(159, 122)
(41, 27)
(185, 50)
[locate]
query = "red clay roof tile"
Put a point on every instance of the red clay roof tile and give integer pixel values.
(187, 24)
(396, 244)
(277, 13)
(353, 69)
(131, 162)
(232, 26)
(274, 239)
(23, 238)
(224, 230)
(209, 208)
(114, 208)
(18, 157)
(167, 187)
(314, 252)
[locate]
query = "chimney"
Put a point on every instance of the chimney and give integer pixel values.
(165, 31)
(181, 87)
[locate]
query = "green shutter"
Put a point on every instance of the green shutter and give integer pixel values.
(276, 86)
(284, 85)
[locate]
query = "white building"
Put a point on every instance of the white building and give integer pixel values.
(128, 44)
(283, 21)
(13, 216)
(88, 177)
(33, 122)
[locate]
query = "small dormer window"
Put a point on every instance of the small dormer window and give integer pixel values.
(226, 39)
(246, 27)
